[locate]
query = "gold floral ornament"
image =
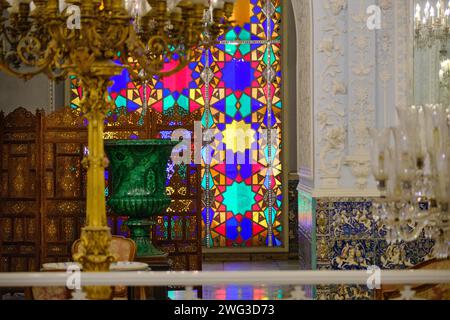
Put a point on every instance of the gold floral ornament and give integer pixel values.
(94, 41)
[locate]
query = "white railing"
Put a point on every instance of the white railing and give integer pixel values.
(296, 279)
(198, 278)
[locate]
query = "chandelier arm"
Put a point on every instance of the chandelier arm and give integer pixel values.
(52, 76)
(123, 35)
(94, 39)
(150, 71)
(7, 36)
(22, 75)
(133, 74)
(41, 60)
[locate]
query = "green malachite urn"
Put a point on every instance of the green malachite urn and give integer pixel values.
(137, 183)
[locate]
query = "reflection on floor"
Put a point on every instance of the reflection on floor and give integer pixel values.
(230, 292)
(234, 292)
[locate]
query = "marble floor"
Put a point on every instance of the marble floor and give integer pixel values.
(239, 292)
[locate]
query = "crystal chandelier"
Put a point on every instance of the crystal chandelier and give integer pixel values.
(432, 24)
(95, 40)
(411, 164)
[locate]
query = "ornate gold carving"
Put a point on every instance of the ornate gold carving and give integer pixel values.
(94, 255)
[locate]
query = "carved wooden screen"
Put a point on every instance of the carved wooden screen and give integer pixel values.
(178, 232)
(20, 203)
(122, 125)
(43, 187)
(64, 184)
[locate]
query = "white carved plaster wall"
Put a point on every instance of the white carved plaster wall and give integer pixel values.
(358, 76)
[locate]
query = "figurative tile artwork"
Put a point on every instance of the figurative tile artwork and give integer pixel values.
(236, 86)
(349, 238)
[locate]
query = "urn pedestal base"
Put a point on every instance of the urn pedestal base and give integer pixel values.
(140, 230)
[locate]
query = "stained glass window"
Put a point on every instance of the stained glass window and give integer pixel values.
(237, 88)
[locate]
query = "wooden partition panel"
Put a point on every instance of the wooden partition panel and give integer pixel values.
(20, 200)
(63, 184)
(178, 232)
(43, 187)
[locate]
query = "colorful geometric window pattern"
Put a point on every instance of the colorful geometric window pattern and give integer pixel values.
(237, 87)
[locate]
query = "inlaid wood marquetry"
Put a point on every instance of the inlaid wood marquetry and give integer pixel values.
(19, 196)
(43, 187)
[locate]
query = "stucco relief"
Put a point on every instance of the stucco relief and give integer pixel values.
(361, 109)
(332, 91)
(404, 51)
(351, 79)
